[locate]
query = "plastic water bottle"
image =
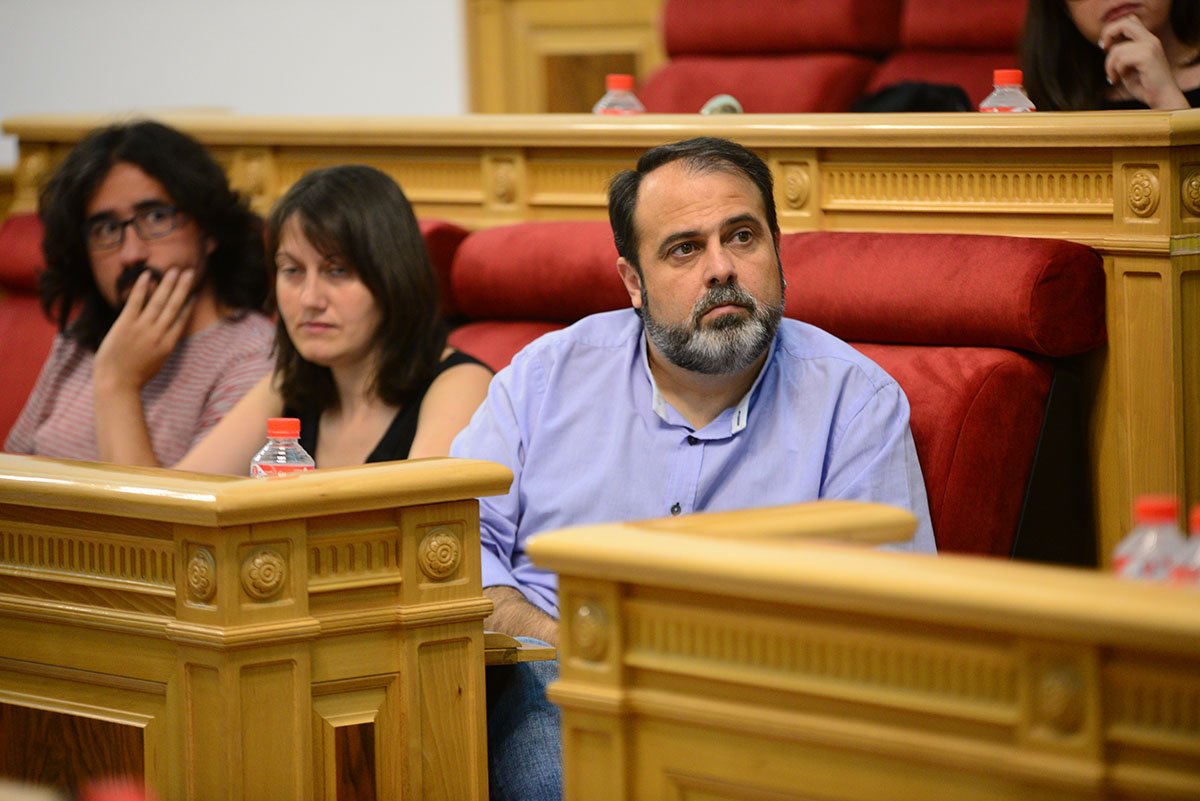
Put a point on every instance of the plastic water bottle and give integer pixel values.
(1149, 550)
(619, 97)
(1008, 94)
(282, 454)
(1186, 570)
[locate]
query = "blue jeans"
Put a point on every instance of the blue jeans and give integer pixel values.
(524, 732)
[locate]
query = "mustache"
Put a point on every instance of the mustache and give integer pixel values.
(722, 295)
(130, 274)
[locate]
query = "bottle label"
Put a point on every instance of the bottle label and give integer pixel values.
(1185, 575)
(266, 470)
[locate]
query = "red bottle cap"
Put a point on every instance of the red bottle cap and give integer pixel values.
(616, 82)
(283, 427)
(1156, 509)
(1007, 77)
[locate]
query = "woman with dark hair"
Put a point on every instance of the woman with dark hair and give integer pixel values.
(361, 354)
(1112, 54)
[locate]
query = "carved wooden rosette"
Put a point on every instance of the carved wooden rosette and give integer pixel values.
(439, 554)
(1060, 702)
(1143, 193)
(1191, 193)
(796, 185)
(505, 182)
(202, 576)
(264, 573)
(589, 631)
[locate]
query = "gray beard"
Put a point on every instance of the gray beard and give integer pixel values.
(730, 343)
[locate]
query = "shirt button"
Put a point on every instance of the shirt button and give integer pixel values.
(676, 509)
(692, 440)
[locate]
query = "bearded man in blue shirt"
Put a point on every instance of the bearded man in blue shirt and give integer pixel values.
(699, 398)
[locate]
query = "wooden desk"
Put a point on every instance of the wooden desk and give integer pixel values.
(696, 667)
(1126, 183)
(315, 636)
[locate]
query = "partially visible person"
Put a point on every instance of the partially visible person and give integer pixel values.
(362, 357)
(1112, 54)
(701, 397)
(155, 277)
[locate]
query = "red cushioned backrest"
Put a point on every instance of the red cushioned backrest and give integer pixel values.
(1039, 295)
(552, 271)
(962, 24)
(25, 338)
(442, 240)
(791, 84)
(20, 252)
(708, 27)
(25, 333)
(954, 42)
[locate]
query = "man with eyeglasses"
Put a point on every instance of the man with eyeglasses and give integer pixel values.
(155, 276)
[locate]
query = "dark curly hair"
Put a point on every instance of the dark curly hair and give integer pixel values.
(194, 182)
(1063, 71)
(359, 215)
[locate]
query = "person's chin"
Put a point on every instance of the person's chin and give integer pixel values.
(314, 352)
(726, 321)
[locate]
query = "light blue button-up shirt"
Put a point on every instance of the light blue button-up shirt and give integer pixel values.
(579, 420)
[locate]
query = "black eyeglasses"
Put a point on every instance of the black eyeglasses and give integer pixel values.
(150, 222)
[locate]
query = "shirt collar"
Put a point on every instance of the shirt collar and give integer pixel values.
(741, 412)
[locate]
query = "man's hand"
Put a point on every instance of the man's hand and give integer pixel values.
(144, 334)
(1136, 60)
(133, 351)
(516, 617)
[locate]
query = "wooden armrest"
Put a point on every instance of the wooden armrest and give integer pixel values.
(501, 649)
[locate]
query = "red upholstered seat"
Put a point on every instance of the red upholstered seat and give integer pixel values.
(967, 325)
(441, 240)
(811, 56)
(762, 84)
(730, 27)
(25, 333)
(976, 417)
(948, 41)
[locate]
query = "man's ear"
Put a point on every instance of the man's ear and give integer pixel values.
(210, 244)
(632, 280)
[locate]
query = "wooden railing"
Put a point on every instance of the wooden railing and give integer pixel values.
(315, 636)
(702, 660)
(1126, 183)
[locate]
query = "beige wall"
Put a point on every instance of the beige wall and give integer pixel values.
(260, 57)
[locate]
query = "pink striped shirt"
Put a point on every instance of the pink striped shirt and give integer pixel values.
(200, 381)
